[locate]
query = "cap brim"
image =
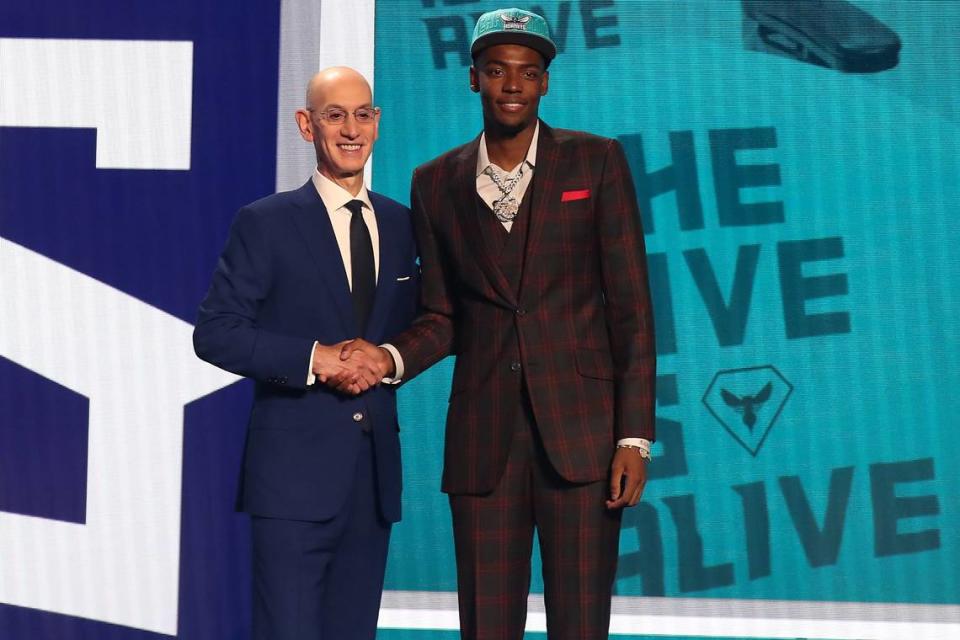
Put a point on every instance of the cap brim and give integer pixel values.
(543, 46)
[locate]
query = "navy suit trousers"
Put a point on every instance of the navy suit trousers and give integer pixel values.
(322, 580)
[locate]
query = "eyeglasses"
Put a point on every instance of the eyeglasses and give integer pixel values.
(335, 115)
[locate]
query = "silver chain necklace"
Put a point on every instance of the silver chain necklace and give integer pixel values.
(506, 206)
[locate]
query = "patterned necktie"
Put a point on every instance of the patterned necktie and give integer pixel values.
(363, 273)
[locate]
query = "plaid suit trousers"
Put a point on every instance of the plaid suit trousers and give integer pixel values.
(493, 535)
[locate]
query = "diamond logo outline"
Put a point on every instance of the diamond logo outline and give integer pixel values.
(744, 405)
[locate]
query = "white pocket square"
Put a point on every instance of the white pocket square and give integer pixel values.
(403, 279)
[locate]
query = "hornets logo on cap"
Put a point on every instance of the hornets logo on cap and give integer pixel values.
(514, 22)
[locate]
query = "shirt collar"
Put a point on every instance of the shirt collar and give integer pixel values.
(334, 196)
(483, 160)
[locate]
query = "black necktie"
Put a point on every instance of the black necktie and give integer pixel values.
(363, 273)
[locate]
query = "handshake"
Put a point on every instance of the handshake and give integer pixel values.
(351, 366)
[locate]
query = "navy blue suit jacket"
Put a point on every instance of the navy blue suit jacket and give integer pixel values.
(279, 285)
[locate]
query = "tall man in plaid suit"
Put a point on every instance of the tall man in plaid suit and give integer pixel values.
(534, 275)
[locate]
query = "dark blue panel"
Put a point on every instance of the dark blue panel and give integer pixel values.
(155, 235)
(152, 234)
(215, 553)
(43, 446)
(17, 623)
(215, 558)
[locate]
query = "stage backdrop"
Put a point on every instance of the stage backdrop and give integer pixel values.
(797, 172)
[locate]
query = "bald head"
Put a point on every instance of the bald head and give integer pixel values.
(339, 78)
(342, 139)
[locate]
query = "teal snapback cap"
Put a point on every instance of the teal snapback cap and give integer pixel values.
(513, 26)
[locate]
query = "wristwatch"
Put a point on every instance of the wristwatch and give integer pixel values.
(643, 452)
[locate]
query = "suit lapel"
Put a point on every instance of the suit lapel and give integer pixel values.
(313, 223)
(387, 228)
(544, 178)
(464, 188)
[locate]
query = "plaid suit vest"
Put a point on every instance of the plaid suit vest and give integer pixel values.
(509, 249)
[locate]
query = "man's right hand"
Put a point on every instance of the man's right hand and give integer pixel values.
(345, 376)
(370, 359)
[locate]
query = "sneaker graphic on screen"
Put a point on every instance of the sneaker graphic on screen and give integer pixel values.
(831, 33)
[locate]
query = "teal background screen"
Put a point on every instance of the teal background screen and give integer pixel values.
(802, 233)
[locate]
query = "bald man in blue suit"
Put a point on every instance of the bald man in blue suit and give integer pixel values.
(302, 272)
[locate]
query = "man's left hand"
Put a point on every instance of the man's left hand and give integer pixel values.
(367, 360)
(628, 476)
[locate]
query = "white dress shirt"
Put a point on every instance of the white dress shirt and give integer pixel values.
(335, 198)
(487, 188)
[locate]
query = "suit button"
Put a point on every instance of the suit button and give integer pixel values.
(358, 417)
(521, 311)
(515, 367)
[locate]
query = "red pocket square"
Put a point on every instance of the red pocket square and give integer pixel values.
(570, 196)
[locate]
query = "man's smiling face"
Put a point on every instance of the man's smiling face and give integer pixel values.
(510, 79)
(342, 148)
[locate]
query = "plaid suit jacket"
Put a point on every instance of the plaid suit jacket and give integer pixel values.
(582, 315)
